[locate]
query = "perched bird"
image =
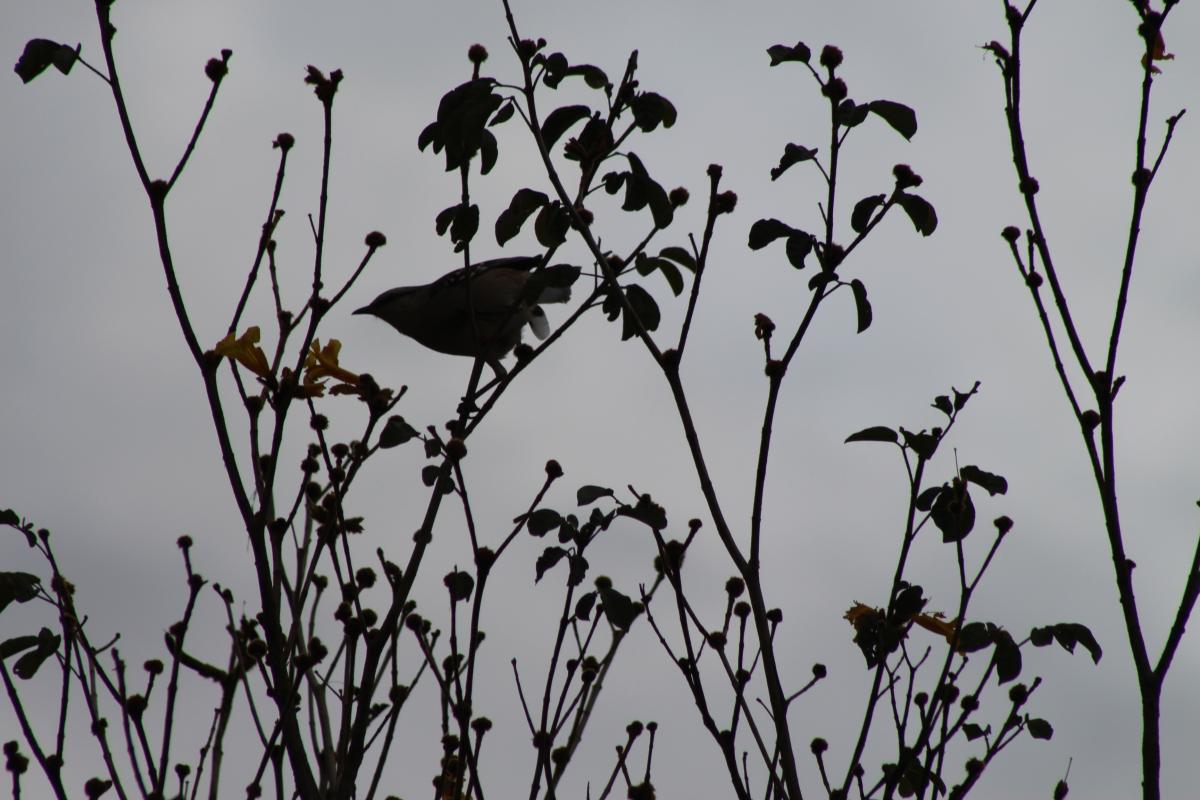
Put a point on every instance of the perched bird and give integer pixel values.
(438, 314)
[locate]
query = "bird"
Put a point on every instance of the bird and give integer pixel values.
(438, 314)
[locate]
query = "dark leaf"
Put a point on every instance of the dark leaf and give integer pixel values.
(552, 225)
(430, 474)
(923, 444)
(1040, 637)
(994, 484)
(861, 304)
(961, 398)
(646, 511)
(578, 569)
(1068, 634)
(429, 136)
(644, 308)
(655, 195)
(902, 118)
(679, 256)
(28, 664)
(926, 498)
(651, 109)
(549, 557)
(923, 217)
(953, 512)
(19, 586)
(396, 432)
(16, 644)
(973, 636)
(464, 227)
(593, 76)
(973, 731)
(590, 494)
(445, 217)
(780, 53)
(523, 203)
(821, 279)
(10, 517)
(863, 210)
(792, 154)
(799, 245)
(459, 585)
(618, 608)
(1007, 657)
(942, 404)
(556, 69)
(543, 520)
(613, 181)
(876, 433)
(850, 114)
(765, 231)
(503, 115)
(583, 606)
(42, 53)
(1039, 728)
(909, 603)
(560, 120)
(488, 152)
(648, 264)
(462, 117)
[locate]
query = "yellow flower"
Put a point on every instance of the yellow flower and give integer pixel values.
(322, 363)
(245, 351)
(937, 623)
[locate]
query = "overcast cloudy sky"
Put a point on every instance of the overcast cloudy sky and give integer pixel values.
(107, 442)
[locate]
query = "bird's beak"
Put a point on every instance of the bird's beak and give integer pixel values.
(363, 310)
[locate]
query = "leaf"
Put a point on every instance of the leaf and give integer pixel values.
(466, 224)
(780, 53)
(876, 433)
(459, 584)
(11, 647)
(546, 561)
(850, 114)
(923, 217)
(9, 517)
(655, 195)
(579, 567)
(792, 154)
(973, 636)
(799, 245)
(1042, 636)
(396, 431)
(543, 520)
(1007, 657)
(680, 256)
(647, 512)
(618, 608)
(560, 120)
(522, 205)
(551, 225)
(645, 309)
(765, 231)
(488, 152)
(1039, 728)
(942, 404)
(503, 115)
(863, 209)
(926, 498)
(902, 118)
(861, 304)
(19, 586)
(445, 217)
(1068, 634)
(995, 484)
(953, 512)
(590, 494)
(651, 109)
(583, 606)
(28, 664)
(961, 398)
(648, 264)
(973, 731)
(42, 53)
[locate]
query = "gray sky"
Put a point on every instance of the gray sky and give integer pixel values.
(108, 443)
